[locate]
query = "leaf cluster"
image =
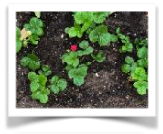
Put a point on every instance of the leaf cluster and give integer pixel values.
(38, 87)
(100, 34)
(84, 21)
(137, 74)
(86, 48)
(99, 57)
(57, 84)
(75, 69)
(45, 70)
(78, 74)
(31, 61)
(32, 30)
(127, 46)
(142, 52)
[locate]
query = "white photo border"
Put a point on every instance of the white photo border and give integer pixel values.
(81, 112)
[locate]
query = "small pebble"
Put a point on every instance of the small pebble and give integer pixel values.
(62, 35)
(96, 74)
(127, 97)
(134, 34)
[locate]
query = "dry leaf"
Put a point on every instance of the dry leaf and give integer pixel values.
(24, 34)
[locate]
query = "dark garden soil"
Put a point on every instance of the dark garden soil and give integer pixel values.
(105, 85)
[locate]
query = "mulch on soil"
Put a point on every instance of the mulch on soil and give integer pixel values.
(105, 85)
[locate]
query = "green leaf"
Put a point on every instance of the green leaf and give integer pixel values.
(126, 68)
(18, 45)
(80, 52)
(129, 60)
(73, 32)
(100, 17)
(43, 98)
(100, 34)
(99, 57)
(42, 79)
(34, 86)
(78, 81)
(62, 84)
(46, 70)
(142, 52)
(32, 76)
(128, 47)
(84, 44)
(35, 26)
(25, 61)
(88, 50)
(142, 63)
(78, 74)
(33, 65)
(57, 84)
(54, 89)
(144, 42)
(96, 34)
(83, 17)
(36, 95)
(18, 40)
(31, 61)
(71, 58)
(54, 79)
(133, 66)
(141, 87)
(118, 31)
(69, 67)
(139, 74)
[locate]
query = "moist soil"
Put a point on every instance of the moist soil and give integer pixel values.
(105, 85)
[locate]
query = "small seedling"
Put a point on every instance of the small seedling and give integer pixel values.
(45, 70)
(71, 58)
(129, 65)
(35, 26)
(86, 49)
(78, 74)
(38, 87)
(127, 45)
(31, 61)
(57, 84)
(99, 57)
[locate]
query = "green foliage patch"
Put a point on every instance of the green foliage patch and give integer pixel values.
(31, 61)
(38, 87)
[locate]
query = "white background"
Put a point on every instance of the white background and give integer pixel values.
(143, 125)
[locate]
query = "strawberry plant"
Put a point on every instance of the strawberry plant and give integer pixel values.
(85, 21)
(71, 58)
(137, 69)
(99, 57)
(142, 52)
(31, 61)
(100, 34)
(38, 87)
(86, 49)
(57, 84)
(45, 70)
(29, 34)
(129, 66)
(127, 45)
(137, 74)
(78, 74)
